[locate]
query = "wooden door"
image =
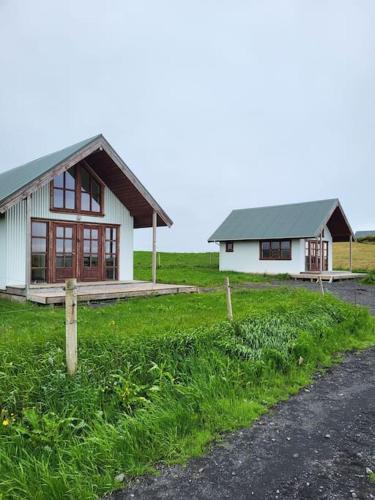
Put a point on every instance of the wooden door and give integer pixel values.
(91, 253)
(313, 256)
(64, 254)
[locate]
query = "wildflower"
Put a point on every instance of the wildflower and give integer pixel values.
(5, 422)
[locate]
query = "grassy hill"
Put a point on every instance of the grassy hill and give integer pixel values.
(363, 256)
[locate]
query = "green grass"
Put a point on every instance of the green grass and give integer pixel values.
(363, 256)
(200, 269)
(158, 379)
(369, 279)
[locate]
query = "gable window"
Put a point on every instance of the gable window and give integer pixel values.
(229, 246)
(64, 190)
(276, 250)
(77, 190)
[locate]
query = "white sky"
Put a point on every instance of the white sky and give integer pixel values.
(214, 104)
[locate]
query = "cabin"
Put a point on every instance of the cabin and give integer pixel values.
(72, 214)
(295, 239)
(365, 235)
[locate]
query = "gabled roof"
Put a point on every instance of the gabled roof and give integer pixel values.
(19, 182)
(297, 220)
(364, 234)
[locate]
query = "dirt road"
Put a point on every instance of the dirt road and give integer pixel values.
(315, 446)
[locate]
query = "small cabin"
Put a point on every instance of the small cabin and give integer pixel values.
(292, 239)
(72, 214)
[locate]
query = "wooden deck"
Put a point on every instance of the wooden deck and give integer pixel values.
(328, 276)
(97, 291)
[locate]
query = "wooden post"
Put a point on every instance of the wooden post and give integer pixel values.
(351, 254)
(321, 285)
(71, 325)
(321, 253)
(229, 300)
(28, 245)
(154, 222)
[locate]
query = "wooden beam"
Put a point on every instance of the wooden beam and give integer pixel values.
(321, 252)
(351, 253)
(28, 245)
(154, 225)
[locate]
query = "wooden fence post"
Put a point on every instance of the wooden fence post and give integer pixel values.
(229, 300)
(71, 325)
(321, 285)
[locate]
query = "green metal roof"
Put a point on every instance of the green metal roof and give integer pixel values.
(15, 179)
(364, 234)
(297, 220)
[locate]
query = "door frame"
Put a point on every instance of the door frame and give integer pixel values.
(316, 243)
(52, 250)
(78, 231)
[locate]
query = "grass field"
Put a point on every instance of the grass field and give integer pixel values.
(363, 256)
(142, 396)
(201, 269)
(158, 379)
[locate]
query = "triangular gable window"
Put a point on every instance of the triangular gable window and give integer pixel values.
(77, 190)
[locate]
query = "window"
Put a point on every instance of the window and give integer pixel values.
(39, 253)
(64, 247)
(276, 250)
(90, 193)
(90, 247)
(77, 190)
(111, 253)
(229, 246)
(64, 190)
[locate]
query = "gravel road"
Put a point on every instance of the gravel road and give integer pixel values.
(317, 445)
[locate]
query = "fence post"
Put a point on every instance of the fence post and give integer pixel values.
(321, 285)
(71, 325)
(229, 300)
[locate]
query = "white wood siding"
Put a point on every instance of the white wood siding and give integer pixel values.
(3, 251)
(15, 241)
(16, 245)
(245, 258)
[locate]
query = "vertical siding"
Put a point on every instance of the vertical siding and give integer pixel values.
(16, 244)
(115, 213)
(3, 251)
(245, 259)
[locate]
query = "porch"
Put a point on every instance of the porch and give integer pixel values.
(327, 276)
(94, 291)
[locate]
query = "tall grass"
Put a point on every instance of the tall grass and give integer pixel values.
(363, 256)
(143, 398)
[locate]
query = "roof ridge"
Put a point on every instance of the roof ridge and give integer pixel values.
(287, 204)
(23, 165)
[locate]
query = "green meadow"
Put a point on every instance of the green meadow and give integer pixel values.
(158, 380)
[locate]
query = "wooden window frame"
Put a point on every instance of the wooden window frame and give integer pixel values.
(229, 246)
(78, 185)
(105, 253)
(46, 253)
(273, 241)
(50, 270)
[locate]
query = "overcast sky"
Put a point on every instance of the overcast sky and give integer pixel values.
(214, 104)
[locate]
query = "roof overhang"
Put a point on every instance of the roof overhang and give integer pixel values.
(337, 224)
(110, 167)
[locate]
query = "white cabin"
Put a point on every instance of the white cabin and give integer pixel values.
(72, 214)
(284, 239)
